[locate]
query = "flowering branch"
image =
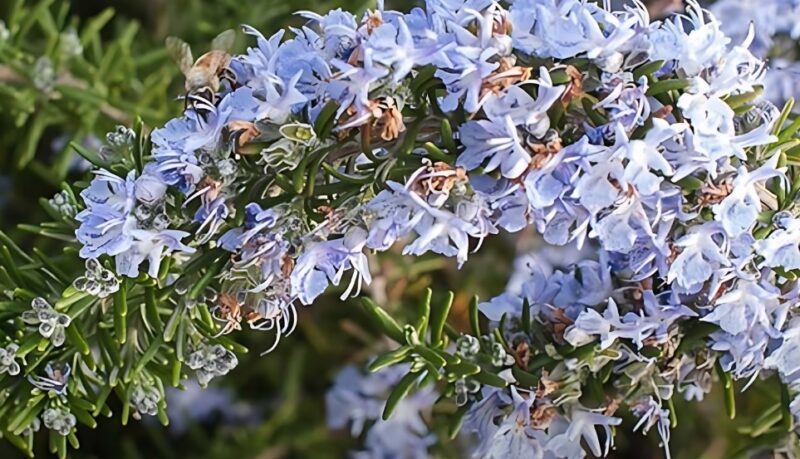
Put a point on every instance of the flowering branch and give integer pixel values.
(644, 144)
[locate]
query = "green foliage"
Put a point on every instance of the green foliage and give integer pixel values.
(448, 364)
(114, 345)
(61, 81)
(55, 102)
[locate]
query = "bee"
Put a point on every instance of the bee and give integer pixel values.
(658, 9)
(228, 311)
(203, 76)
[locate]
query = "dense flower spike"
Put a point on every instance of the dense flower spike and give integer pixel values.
(642, 152)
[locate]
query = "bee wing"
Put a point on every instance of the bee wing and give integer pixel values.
(224, 41)
(181, 53)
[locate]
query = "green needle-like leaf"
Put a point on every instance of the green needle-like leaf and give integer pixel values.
(400, 391)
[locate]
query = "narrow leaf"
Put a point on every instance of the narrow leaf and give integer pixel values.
(424, 313)
(400, 391)
(389, 358)
(439, 316)
(389, 326)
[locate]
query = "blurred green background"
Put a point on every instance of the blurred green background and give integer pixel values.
(71, 72)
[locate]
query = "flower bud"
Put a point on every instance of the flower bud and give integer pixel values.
(150, 189)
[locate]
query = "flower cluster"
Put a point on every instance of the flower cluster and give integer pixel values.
(8, 363)
(59, 419)
(640, 150)
(210, 362)
(97, 281)
(51, 324)
(357, 400)
(774, 28)
(144, 400)
(125, 218)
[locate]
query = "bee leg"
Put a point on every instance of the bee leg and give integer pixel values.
(234, 141)
(228, 75)
(208, 94)
(201, 105)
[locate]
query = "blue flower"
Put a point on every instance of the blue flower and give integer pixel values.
(393, 46)
(583, 426)
(177, 145)
(643, 158)
(302, 55)
(571, 290)
(750, 316)
(703, 253)
(609, 327)
(525, 111)
(124, 219)
(262, 243)
(352, 84)
(256, 220)
(598, 188)
(260, 59)
(464, 75)
(325, 262)
(627, 102)
(357, 400)
(480, 419)
(499, 142)
(444, 13)
(150, 187)
(747, 304)
(151, 246)
(176, 162)
(104, 223)
(560, 444)
(699, 49)
(713, 132)
(500, 139)
(55, 379)
(567, 29)
(389, 217)
(662, 316)
(739, 210)
(786, 358)
(650, 414)
(211, 215)
(620, 229)
(276, 99)
(515, 435)
(781, 249)
(554, 177)
(507, 200)
(338, 32)
(739, 72)
(438, 230)
(442, 220)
